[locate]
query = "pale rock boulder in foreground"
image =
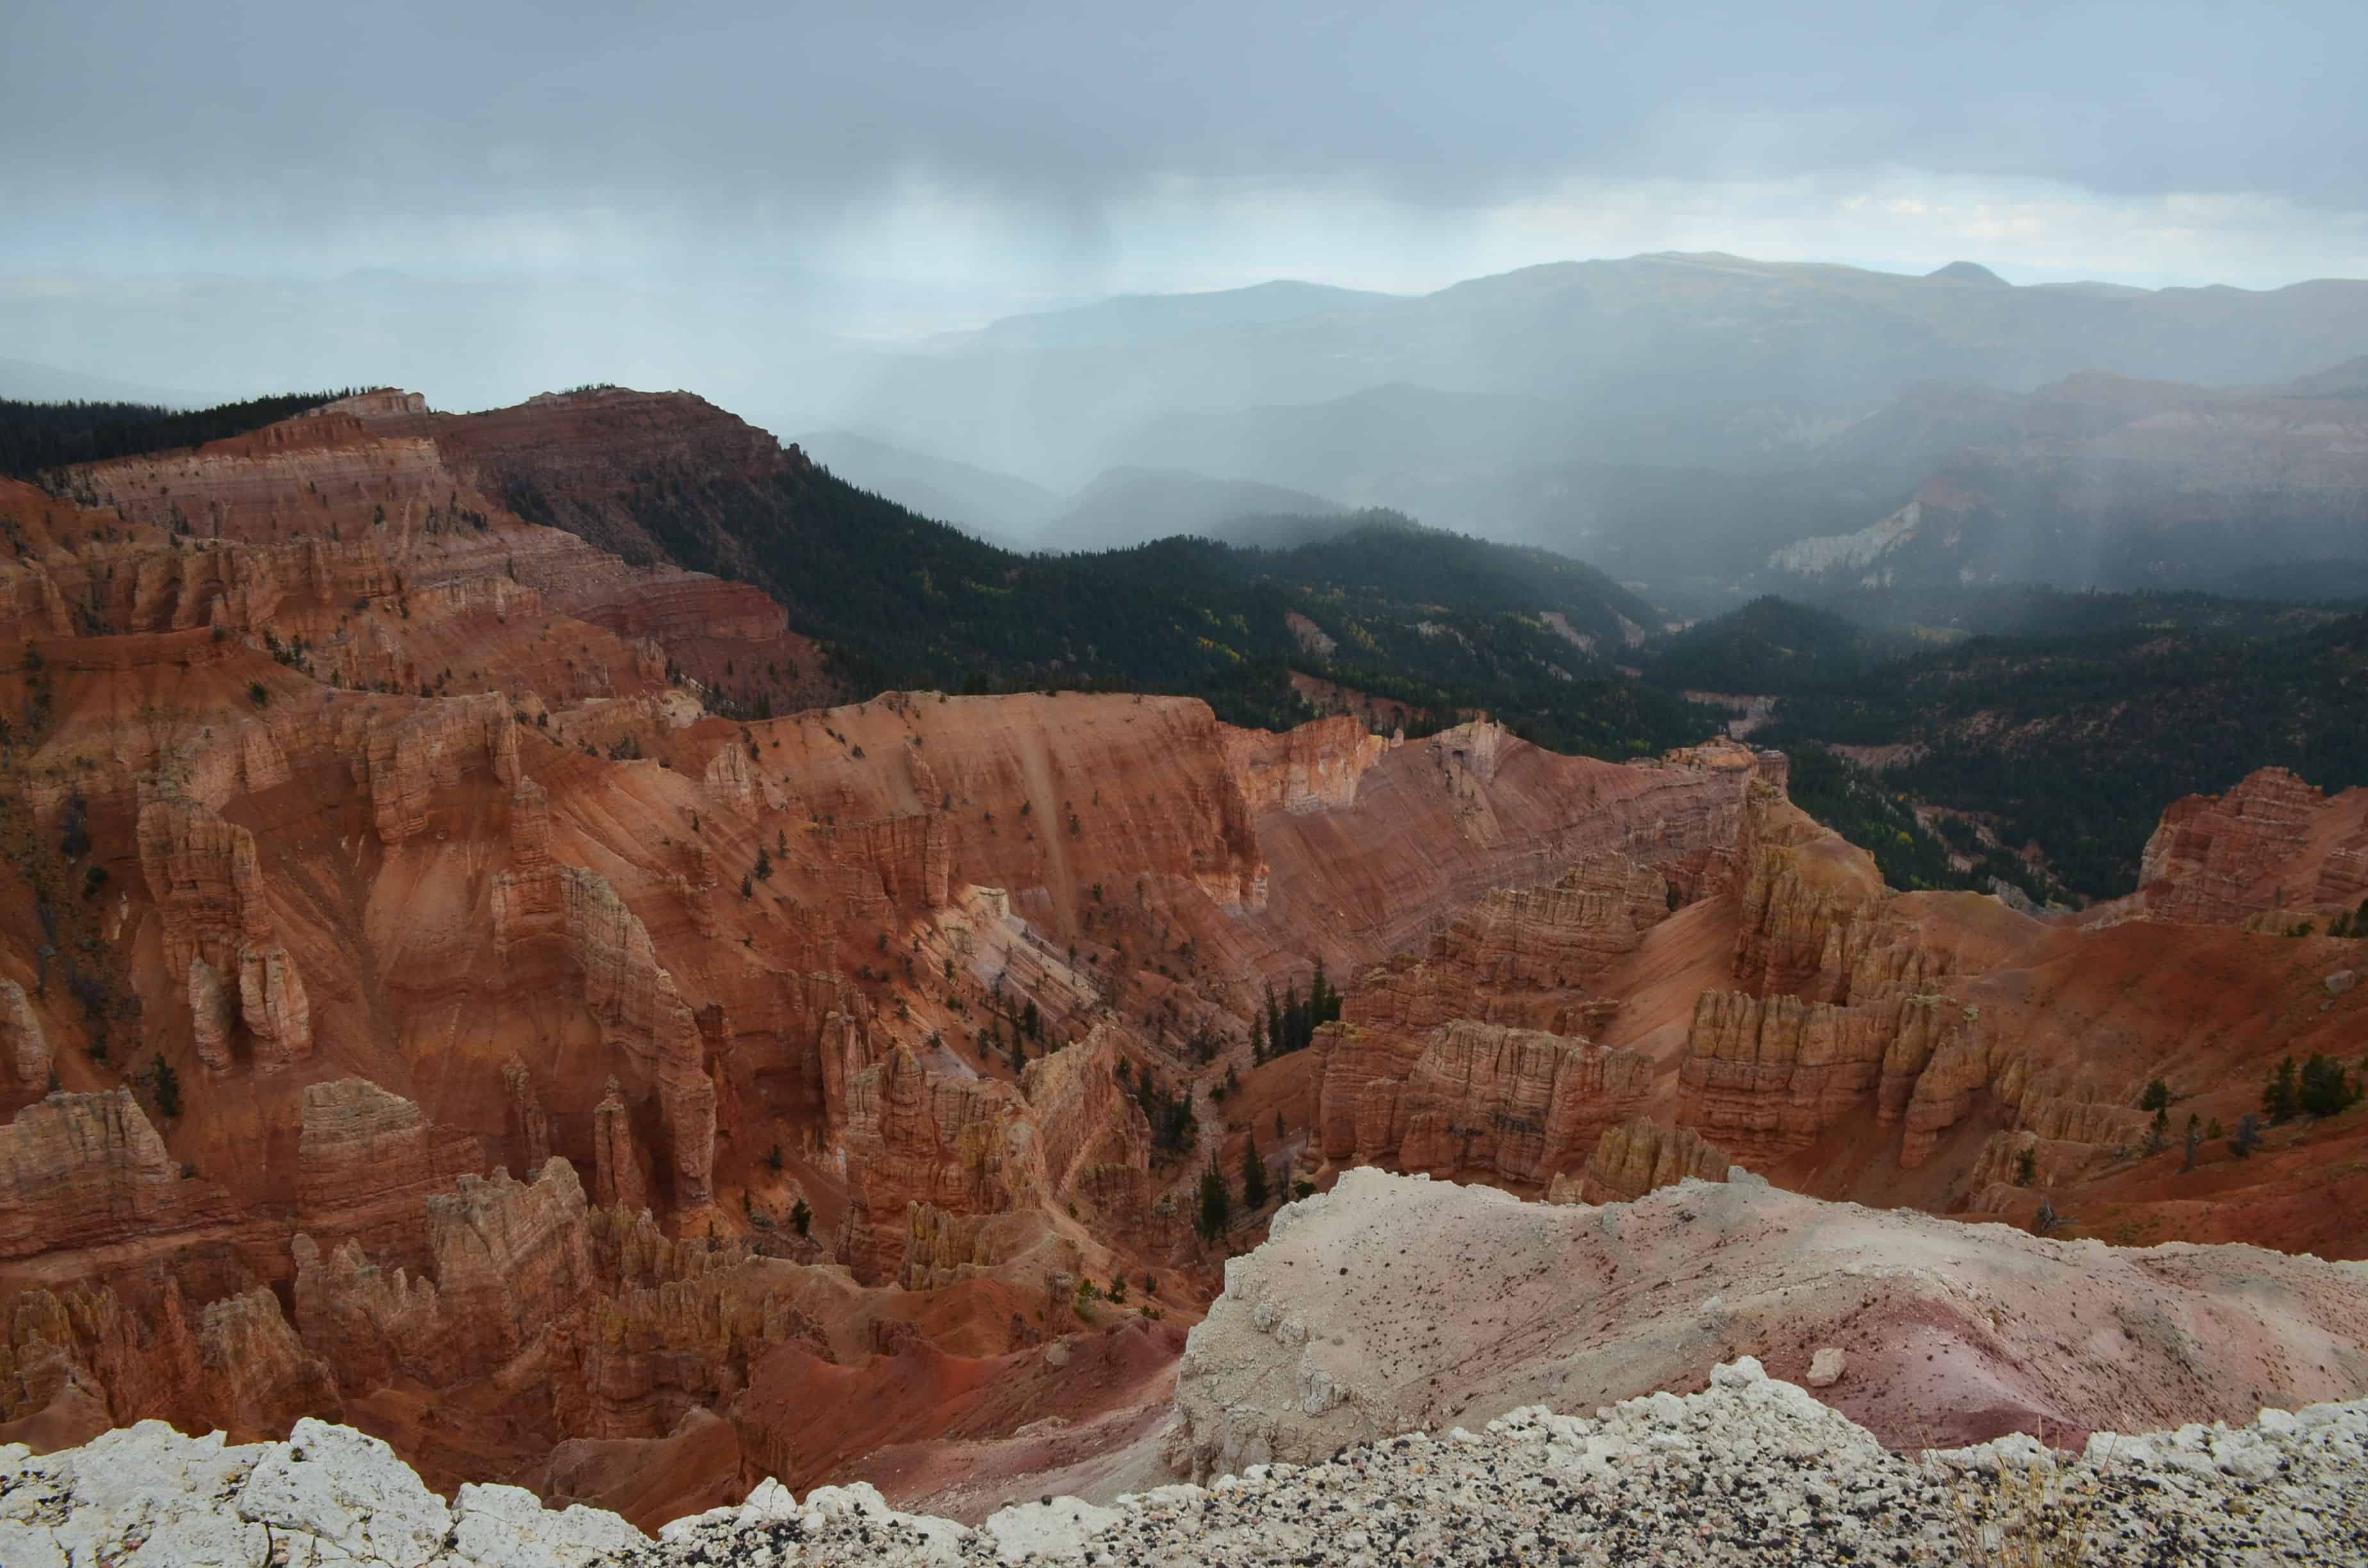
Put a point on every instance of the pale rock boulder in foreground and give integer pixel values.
(1313, 1396)
(1395, 1302)
(1752, 1469)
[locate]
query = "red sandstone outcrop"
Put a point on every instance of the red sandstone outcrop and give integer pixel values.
(1765, 1074)
(2271, 844)
(213, 1015)
(265, 1376)
(510, 1260)
(23, 1042)
(1564, 935)
(402, 761)
(1636, 1157)
(69, 1359)
(1520, 1104)
(206, 882)
(1305, 770)
(622, 1178)
(366, 1162)
(907, 856)
(1808, 903)
(90, 1169)
(371, 1322)
(527, 1124)
(642, 1015)
(1998, 1174)
(653, 1352)
(915, 1138)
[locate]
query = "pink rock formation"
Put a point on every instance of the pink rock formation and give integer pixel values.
(89, 1168)
(527, 1124)
(914, 1137)
(207, 884)
(1308, 769)
(1636, 1157)
(1519, 1104)
(402, 761)
(622, 1178)
(2272, 843)
(23, 1042)
(1766, 1075)
(265, 1376)
(511, 1261)
(642, 1015)
(907, 855)
(213, 1015)
(371, 1324)
(366, 1162)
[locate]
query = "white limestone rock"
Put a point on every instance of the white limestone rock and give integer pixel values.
(349, 1491)
(507, 1527)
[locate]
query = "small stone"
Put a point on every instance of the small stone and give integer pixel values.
(2341, 981)
(1056, 1354)
(1825, 1367)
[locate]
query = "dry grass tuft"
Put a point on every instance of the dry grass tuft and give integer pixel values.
(2041, 1516)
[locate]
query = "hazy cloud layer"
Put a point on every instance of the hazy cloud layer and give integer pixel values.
(887, 168)
(721, 111)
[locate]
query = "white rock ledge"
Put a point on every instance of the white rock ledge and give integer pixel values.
(1750, 1470)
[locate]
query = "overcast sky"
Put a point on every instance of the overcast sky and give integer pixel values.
(634, 187)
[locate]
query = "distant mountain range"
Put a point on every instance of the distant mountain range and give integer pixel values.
(1681, 419)
(26, 381)
(1118, 507)
(2103, 481)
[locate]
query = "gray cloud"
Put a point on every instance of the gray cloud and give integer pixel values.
(280, 115)
(490, 198)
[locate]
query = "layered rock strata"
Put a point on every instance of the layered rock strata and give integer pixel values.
(91, 1167)
(24, 1044)
(2272, 843)
(207, 884)
(368, 1162)
(1638, 1156)
(1520, 1104)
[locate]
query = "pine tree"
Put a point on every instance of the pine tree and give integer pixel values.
(1253, 1177)
(2326, 1089)
(1216, 1205)
(2282, 1096)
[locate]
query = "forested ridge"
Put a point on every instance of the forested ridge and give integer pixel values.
(38, 437)
(1446, 624)
(2066, 744)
